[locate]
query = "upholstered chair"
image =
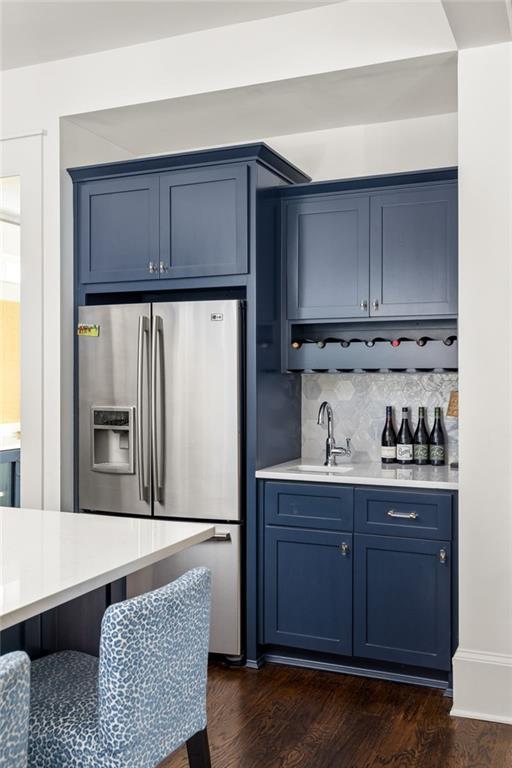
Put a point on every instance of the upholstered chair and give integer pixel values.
(142, 699)
(14, 708)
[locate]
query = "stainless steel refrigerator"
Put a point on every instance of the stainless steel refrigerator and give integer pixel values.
(159, 433)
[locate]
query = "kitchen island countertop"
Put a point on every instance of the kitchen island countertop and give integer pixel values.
(48, 558)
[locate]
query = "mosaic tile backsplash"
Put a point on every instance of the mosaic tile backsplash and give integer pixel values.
(359, 401)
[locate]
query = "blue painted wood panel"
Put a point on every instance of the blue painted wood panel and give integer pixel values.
(308, 589)
(204, 221)
(397, 512)
(327, 257)
(118, 229)
(10, 478)
(402, 600)
(414, 251)
(309, 505)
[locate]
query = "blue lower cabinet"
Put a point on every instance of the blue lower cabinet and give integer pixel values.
(308, 589)
(402, 603)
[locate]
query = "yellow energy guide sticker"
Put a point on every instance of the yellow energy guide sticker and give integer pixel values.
(88, 329)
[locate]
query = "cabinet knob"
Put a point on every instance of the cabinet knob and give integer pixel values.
(344, 549)
(152, 268)
(363, 305)
(164, 267)
(443, 557)
(375, 304)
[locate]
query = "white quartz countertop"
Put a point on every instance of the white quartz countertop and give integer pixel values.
(48, 558)
(364, 473)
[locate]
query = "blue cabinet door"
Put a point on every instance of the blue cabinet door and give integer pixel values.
(414, 251)
(204, 221)
(118, 229)
(327, 245)
(308, 589)
(402, 600)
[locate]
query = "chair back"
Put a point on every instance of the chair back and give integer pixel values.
(153, 666)
(14, 709)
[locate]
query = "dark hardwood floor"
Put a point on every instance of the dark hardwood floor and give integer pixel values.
(282, 717)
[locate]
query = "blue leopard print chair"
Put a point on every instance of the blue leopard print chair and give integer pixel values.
(142, 699)
(14, 706)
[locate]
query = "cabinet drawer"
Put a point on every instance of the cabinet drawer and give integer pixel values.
(418, 514)
(309, 506)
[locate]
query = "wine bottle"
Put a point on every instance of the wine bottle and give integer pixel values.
(420, 450)
(388, 441)
(404, 443)
(437, 441)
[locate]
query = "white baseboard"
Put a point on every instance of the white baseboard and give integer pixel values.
(482, 686)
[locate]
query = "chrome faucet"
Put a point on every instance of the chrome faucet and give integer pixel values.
(331, 449)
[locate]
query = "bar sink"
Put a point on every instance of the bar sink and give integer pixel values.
(322, 468)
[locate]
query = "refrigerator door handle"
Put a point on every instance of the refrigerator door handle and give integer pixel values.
(157, 400)
(142, 346)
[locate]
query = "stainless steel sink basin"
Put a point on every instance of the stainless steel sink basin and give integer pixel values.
(321, 468)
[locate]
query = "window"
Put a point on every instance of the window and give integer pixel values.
(9, 333)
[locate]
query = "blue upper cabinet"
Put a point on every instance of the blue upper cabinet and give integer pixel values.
(387, 252)
(414, 252)
(172, 221)
(117, 234)
(204, 221)
(327, 257)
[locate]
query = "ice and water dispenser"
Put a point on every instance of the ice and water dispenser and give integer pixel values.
(112, 439)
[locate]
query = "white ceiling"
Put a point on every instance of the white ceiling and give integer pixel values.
(394, 91)
(35, 32)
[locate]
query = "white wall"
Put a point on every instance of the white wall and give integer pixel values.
(483, 663)
(366, 150)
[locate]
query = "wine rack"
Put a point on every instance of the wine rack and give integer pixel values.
(394, 347)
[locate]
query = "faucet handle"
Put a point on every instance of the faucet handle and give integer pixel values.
(349, 446)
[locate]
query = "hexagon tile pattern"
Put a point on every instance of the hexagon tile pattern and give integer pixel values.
(359, 402)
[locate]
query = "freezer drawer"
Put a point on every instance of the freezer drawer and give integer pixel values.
(223, 557)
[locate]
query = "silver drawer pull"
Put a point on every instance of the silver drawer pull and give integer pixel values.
(219, 537)
(403, 515)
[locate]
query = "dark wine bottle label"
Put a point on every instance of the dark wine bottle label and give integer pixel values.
(437, 453)
(421, 453)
